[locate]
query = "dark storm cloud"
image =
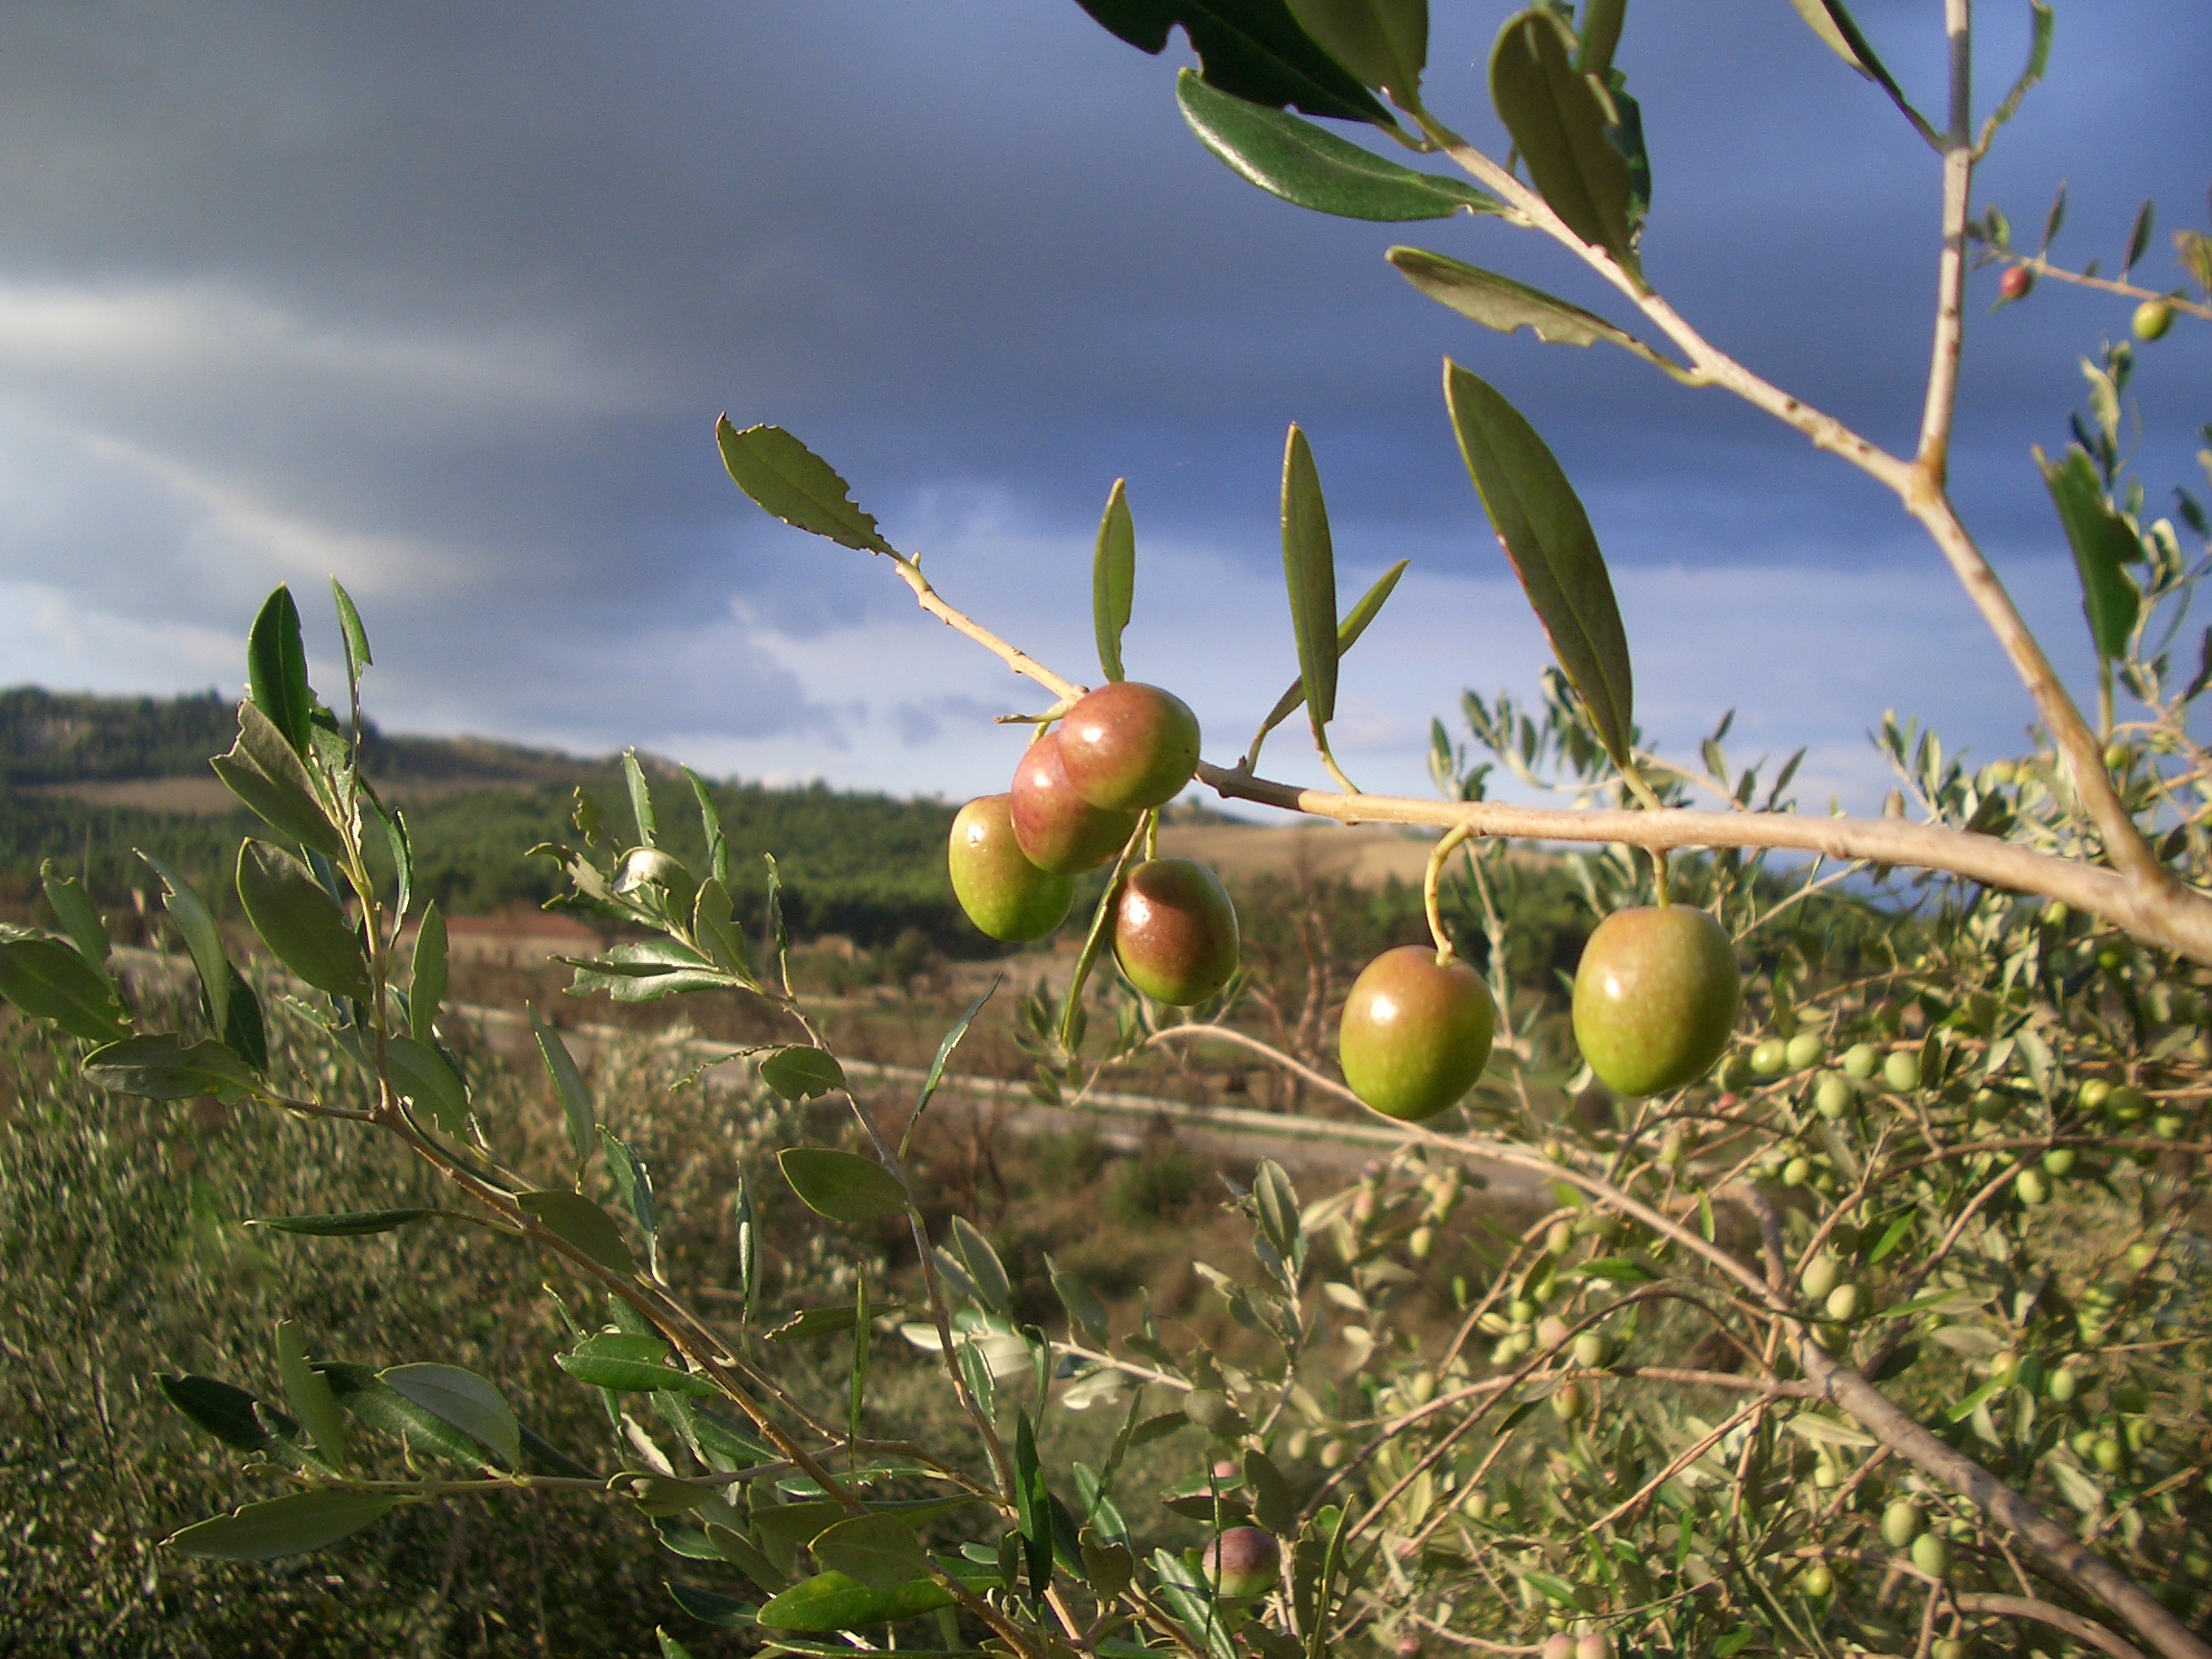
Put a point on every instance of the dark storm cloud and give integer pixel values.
(446, 297)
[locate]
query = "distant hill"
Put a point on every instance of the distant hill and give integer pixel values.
(85, 779)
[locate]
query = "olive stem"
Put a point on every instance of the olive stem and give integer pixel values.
(2042, 267)
(1431, 877)
(1101, 923)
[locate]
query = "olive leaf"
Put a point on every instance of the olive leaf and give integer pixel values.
(1251, 48)
(1348, 633)
(575, 1220)
(1501, 303)
(347, 1224)
(161, 1067)
(1311, 167)
(293, 1524)
(1309, 569)
(792, 483)
(353, 633)
(202, 939)
(48, 980)
(2103, 546)
(1114, 578)
(1547, 537)
(426, 984)
(465, 1401)
(74, 909)
(576, 1108)
(420, 1074)
(309, 1392)
(631, 1365)
(802, 1072)
(1383, 42)
(1558, 118)
(839, 1602)
(843, 1185)
(265, 773)
(276, 669)
(302, 924)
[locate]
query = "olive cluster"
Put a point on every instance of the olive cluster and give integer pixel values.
(1077, 797)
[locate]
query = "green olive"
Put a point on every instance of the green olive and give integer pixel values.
(2111, 1457)
(1861, 1060)
(1769, 1057)
(1901, 1070)
(1832, 1097)
(1568, 1402)
(1797, 1171)
(2094, 1093)
(1415, 1033)
(2126, 1104)
(1805, 1051)
(2151, 319)
(1931, 1555)
(2059, 1161)
(1817, 1583)
(1591, 1349)
(2060, 1385)
(2033, 1187)
(1822, 1274)
(1655, 996)
(1901, 1522)
(1845, 1303)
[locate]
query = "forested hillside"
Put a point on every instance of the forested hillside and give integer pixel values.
(862, 865)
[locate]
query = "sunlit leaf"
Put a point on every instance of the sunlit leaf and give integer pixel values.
(1310, 569)
(1558, 118)
(843, 1185)
(309, 1392)
(1311, 168)
(576, 1108)
(839, 1602)
(463, 1400)
(1501, 303)
(276, 669)
(2103, 546)
(48, 980)
(302, 924)
(802, 1072)
(1547, 537)
(426, 987)
(576, 1220)
(163, 1068)
(792, 483)
(1383, 42)
(1114, 578)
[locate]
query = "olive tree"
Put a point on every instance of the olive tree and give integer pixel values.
(1886, 1332)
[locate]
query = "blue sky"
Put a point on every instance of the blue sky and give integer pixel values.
(445, 300)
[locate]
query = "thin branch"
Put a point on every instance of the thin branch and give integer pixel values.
(2049, 1613)
(2042, 268)
(1016, 658)
(2171, 916)
(1942, 399)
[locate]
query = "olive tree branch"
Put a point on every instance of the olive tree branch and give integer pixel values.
(1942, 399)
(2047, 1613)
(1016, 658)
(2167, 915)
(2042, 267)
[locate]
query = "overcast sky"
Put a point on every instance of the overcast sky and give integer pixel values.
(445, 298)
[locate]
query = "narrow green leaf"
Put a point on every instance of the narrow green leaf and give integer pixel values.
(1893, 1236)
(670, 1647)
(1251, 48)
(714, 927)
(711, 823)
(862, 1329)
(1274, 1504)
(935, 1075)
(641, 798)
(809, 1324)
(1547, 537)
(576, 1220)
(576, 1108)
(277, 668)
(792, 483)
(710, 1607)
(879, 1550)
(161, 1067)
(309, 1392)
(1383, 42)
(420, 1074)
(66, 898)
(842, 1186)
(1309, 569)
(1501, 303)
(1281, 1220)
(427, 984)
(300, 923)
(2039, 62)
(1558, 119)
(1599, 36)
(346, 1224)
(1084, 1308)
(632, 1180)
(1114, 578)
(2138, 237)
(838, 1602)
(48, 980)
(1348, 633)
(293, 1524)
(1033, 1506)
(351, 630)
(984, 1268)
(264, 773)
(2103, 546)
(202, 939)
(631, 1365)
(747, 1220)
(1311, 167)
(1817, 19)
(244, 1031)
(223, 1409)
(465, 1401)
(748, 1557)
(802, 1072)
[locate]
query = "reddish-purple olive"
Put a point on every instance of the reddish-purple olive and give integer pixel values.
(1061, 832)
(1415, 1034)
(1129, 746)
(2017, 283)
(1655, 996)
(1175, 931)
(1241, 1563)
(1002, 893)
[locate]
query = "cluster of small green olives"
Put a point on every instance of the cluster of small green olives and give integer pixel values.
(1076, 797)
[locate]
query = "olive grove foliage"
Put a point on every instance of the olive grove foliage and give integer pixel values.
(1889, 1336)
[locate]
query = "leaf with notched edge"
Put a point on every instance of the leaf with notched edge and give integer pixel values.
(792, 483)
